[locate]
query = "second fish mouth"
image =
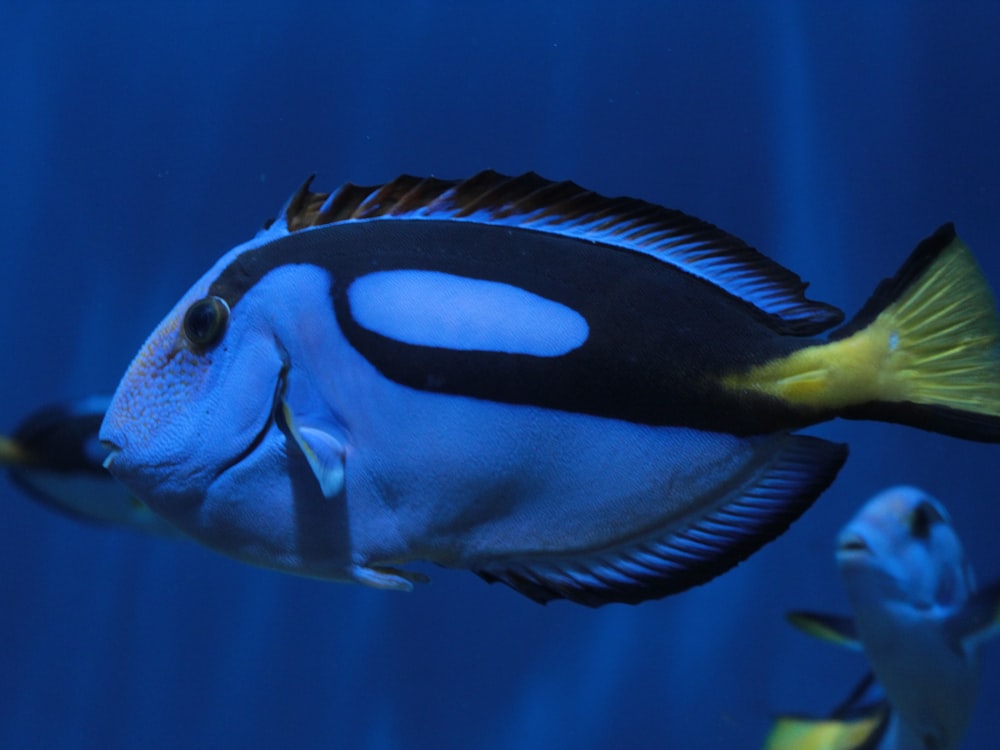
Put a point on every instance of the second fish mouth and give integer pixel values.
(851, 545)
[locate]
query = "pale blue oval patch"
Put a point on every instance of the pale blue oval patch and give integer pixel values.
(430, 308)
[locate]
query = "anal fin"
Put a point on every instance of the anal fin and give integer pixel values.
(681, 557)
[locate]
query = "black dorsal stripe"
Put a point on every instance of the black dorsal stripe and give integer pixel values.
(659, 338)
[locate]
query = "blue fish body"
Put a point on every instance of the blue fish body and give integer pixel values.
(583, 398)
(917, 611)
(920, 620)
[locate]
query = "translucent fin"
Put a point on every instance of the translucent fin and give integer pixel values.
(830, 628)
(684, 557)
(326, 457)
(323, 451)
(564, 208)
(979, 619)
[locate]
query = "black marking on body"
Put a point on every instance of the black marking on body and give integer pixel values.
(659, 337)
(529, 201)
(55, 439)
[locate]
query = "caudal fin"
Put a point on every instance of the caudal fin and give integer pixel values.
(861, 721)
(930, 336)
(923, 351)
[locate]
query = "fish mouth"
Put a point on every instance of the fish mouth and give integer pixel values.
(852, 545)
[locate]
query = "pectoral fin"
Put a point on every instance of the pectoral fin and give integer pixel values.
(830, 628)
(323, 451)
(979, 619)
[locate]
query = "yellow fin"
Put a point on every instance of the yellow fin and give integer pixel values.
(928, 337)
(793, 733)
(840, 631)
(946, 332)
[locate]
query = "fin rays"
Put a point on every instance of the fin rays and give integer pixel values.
(673, 561)
(564, 208)
(922, 351)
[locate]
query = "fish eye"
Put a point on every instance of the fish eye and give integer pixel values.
(922, 519)
(205, 322)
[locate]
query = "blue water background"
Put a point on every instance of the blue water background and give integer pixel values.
(140, 141)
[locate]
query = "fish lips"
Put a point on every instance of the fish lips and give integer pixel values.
(853, 548)
(176, 477)
(148, 482)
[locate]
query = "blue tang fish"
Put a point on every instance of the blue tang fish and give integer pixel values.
(917, 615)
(55, 457)
(582, 397)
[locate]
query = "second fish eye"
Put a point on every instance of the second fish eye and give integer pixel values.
(924, 517)
(205, 322)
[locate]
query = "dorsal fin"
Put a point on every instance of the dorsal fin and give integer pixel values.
(564, 208)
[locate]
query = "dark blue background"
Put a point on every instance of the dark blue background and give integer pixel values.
(139, 143)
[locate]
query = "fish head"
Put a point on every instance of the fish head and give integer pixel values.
(192, 429)
(901, 548)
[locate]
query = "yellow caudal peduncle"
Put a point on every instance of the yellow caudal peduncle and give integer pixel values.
(827, 376)
(935, 344)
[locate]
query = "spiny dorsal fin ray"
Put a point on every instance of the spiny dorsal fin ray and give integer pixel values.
(532, 202)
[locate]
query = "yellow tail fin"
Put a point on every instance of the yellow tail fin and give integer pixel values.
(923, 351)
(799, 733)
(943, 334)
